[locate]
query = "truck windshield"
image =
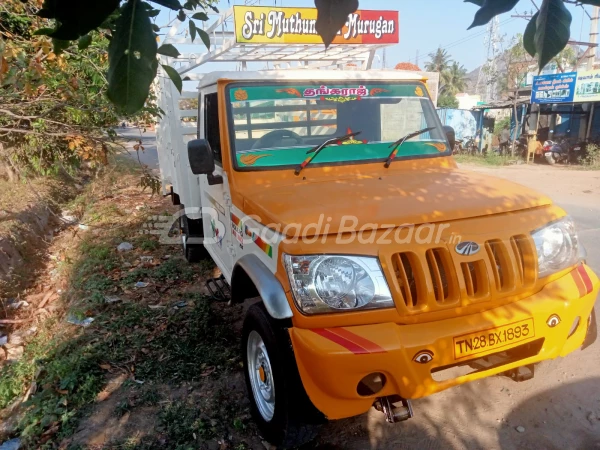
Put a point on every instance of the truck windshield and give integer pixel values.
(274, 125)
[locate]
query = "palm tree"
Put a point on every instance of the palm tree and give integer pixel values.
(454, 79)
(439, 61)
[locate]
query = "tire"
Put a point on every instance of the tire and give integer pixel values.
(190, 228)
(278, 402)
(551, 160)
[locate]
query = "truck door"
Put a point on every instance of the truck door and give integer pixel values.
(215, 198)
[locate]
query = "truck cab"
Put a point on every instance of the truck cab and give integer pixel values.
(377, 270)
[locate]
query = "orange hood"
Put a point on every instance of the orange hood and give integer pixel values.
(394, 199)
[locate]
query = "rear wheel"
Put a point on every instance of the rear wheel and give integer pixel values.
(192, 233)
(278, 402)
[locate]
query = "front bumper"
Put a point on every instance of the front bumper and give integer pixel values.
(333, 361)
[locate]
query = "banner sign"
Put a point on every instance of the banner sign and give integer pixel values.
(588, 86)
(270, 24)
(558, 88)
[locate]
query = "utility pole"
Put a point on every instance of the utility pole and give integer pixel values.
(488, 73)
(593, 38)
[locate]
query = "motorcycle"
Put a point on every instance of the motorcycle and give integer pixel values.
(578, 153)
(555, 152)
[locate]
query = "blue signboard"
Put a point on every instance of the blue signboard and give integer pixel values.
(558, 88)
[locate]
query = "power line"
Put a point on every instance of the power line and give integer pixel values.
(463, 40)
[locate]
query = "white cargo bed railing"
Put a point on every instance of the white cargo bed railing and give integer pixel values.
(224, 48)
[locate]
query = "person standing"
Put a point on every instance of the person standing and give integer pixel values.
(504, 140)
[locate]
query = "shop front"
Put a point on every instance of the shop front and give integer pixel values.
(564, 106)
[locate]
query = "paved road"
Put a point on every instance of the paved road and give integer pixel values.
(149, 156)
(578, 192)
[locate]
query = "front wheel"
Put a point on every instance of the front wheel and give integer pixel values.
(278, 402)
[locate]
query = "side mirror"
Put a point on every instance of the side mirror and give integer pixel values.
(200, 155)
(202, 160)
(451, 136)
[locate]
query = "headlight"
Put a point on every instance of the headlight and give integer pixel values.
(557, 246)
(322, 284)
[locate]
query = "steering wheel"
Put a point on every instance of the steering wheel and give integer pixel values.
(270, 139)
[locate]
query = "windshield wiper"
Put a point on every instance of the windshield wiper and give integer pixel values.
(315, 151)
(396, 145)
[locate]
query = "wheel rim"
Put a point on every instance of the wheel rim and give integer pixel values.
(261, 376)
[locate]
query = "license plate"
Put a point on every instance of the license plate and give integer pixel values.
(549, 154)
(492, 339)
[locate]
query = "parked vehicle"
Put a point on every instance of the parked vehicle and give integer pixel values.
(373, 267)
(466, 146)
(555, 152)
(577, 153)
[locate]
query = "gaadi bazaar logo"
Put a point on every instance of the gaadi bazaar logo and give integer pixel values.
(267, 25)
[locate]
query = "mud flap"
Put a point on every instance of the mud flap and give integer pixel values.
(592, 331)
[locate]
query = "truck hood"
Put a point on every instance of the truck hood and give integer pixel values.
(400, 198)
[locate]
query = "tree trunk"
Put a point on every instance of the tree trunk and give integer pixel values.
(7, 170)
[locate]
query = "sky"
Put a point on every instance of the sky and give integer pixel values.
(426, 25)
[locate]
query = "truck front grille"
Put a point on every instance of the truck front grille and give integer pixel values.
(435, 278)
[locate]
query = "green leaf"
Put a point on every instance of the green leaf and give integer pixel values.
(168, 50)
(529, 36)
(60, 45)
(172, 4)
(214, 8)
(154, 12)
(200, 16)
(491, 8)
(332, 16)
(43, 32)
(192, 30)
(205, 38)
(132, 58)
(76, 18)
(181, 16)
(553, 29)
(591, 2)
(174, 76)
(476, 2)
(84, 42)
(155, 28)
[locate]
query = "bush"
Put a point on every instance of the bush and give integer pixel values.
(592, 157)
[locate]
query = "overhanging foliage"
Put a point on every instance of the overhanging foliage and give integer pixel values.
(130, 76)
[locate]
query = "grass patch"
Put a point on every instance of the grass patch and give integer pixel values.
(146, 243)
(169, 344)
(485, 160)
(68, 378)
(166, 345)
(171, 270)
(186, 340)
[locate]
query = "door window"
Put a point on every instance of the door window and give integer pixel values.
(211, 125)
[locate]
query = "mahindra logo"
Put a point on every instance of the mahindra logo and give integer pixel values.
(467, 248)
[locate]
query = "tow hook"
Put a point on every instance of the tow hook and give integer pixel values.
(522, 373)
(395, 408)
